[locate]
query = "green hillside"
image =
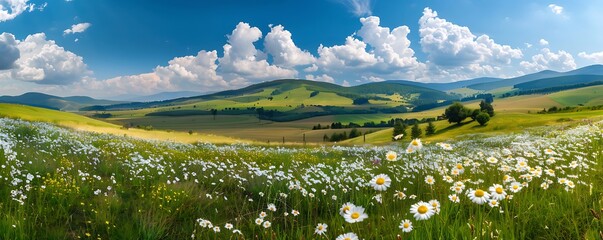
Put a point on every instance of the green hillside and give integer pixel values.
(53, 102)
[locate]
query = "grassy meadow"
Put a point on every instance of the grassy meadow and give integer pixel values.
(545, 183)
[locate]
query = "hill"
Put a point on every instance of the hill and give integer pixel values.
(448, 86)
(559, 82)
(53, 102)
(289, 99)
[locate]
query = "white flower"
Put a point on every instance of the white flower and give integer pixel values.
(429, 180)
(321, 229)
(497, 192)
(272, 207)
(381, 182)
(422, 210)
(478, 196)
(267, 224)
(345, 208)
(391, 156)
(228, 226)
(259, 221)
(355, 214)
(454, 198)
(515, 187)
(415, 144)
(406, 225)
(347, 236)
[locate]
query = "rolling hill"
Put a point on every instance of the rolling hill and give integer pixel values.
(294, 94)
(559, 82)
(53, 102)
(450, 85)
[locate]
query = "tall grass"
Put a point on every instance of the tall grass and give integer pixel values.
(61, 184)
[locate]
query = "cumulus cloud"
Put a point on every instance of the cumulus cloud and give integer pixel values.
(452, 48)
(358, 7)
(556, 9)
(44, 62)
(77, 28)
(9, 53)
(596, 57)
(242, 61)
(280, 45)
(322, 78)
(352, 54)
(543, 42)
(547, 59)
(391, 47)
(10, 9)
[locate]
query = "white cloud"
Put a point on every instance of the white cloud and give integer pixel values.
(9, 53)
(543, 42)
(44, 62)
(243, 62)
(279, 44)
(77, 28)
(393, 47)
(556, 9)
(352, 54)
(358, 7)
(10, 9)
(322, 78)
(455, 52)
(528, 45)
(560, 61)
(596, 57)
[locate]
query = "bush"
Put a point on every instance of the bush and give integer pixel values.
(430, 129)
(456, 113)
(483, 118)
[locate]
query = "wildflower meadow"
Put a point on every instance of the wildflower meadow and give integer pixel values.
(544, 183)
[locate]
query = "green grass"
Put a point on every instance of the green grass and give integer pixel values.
(62, 184)
(47, 115)
(588, 96)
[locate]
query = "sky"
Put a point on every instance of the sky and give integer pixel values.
(131, 48)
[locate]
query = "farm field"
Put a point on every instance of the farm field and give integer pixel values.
(62, 184)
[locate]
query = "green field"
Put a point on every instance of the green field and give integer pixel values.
(588, 96)
(63, 184)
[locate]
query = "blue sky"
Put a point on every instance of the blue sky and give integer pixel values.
(105, 48)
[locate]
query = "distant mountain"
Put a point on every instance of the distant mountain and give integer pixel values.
(547, 74)
(53, 102)
(162, 96)
(559, 82)
(448, 86)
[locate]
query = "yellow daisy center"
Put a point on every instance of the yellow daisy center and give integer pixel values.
(320, 228)
(479, 193)
(515, 186)
(380, 181)
(499, 190)
(355, 215)
(415, 143)
(459, 166)
(434, 205)
(347, 238)
(346, 208)
(391, 157)
(422, 209)
(406, 225)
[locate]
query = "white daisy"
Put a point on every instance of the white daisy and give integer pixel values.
(355, 214)
(391, 156)
(497, 191)
(321, 229)
(347, 236)
(406, 225)
(381, 182)
(422, 210)
(478, 196)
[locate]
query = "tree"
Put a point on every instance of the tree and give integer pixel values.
(486, 107)
(416, 132)
(399, 128)
(354, 133)
(483, 118)
(474, 113)
(456, 113)
(430, 129)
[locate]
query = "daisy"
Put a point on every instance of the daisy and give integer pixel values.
(272, 207)
(267, 224)
(515, 187)
(216, 229)
(399, 195)
(259, 221)
(263, 215)
(436, 205)
(459, 167)
(406, 225)
(347, 236)
(497, 191)
(492, 160)
(321, 229)
(345, 208)
(422, 210)
(429, 180)
(228, 226)
(355, 214)
(294, 212)
(478, 196)
(493, 203)
(415, 144)
(549, 151)
(454, 198)
(409, 150)
(381, 182)
(391, 156)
